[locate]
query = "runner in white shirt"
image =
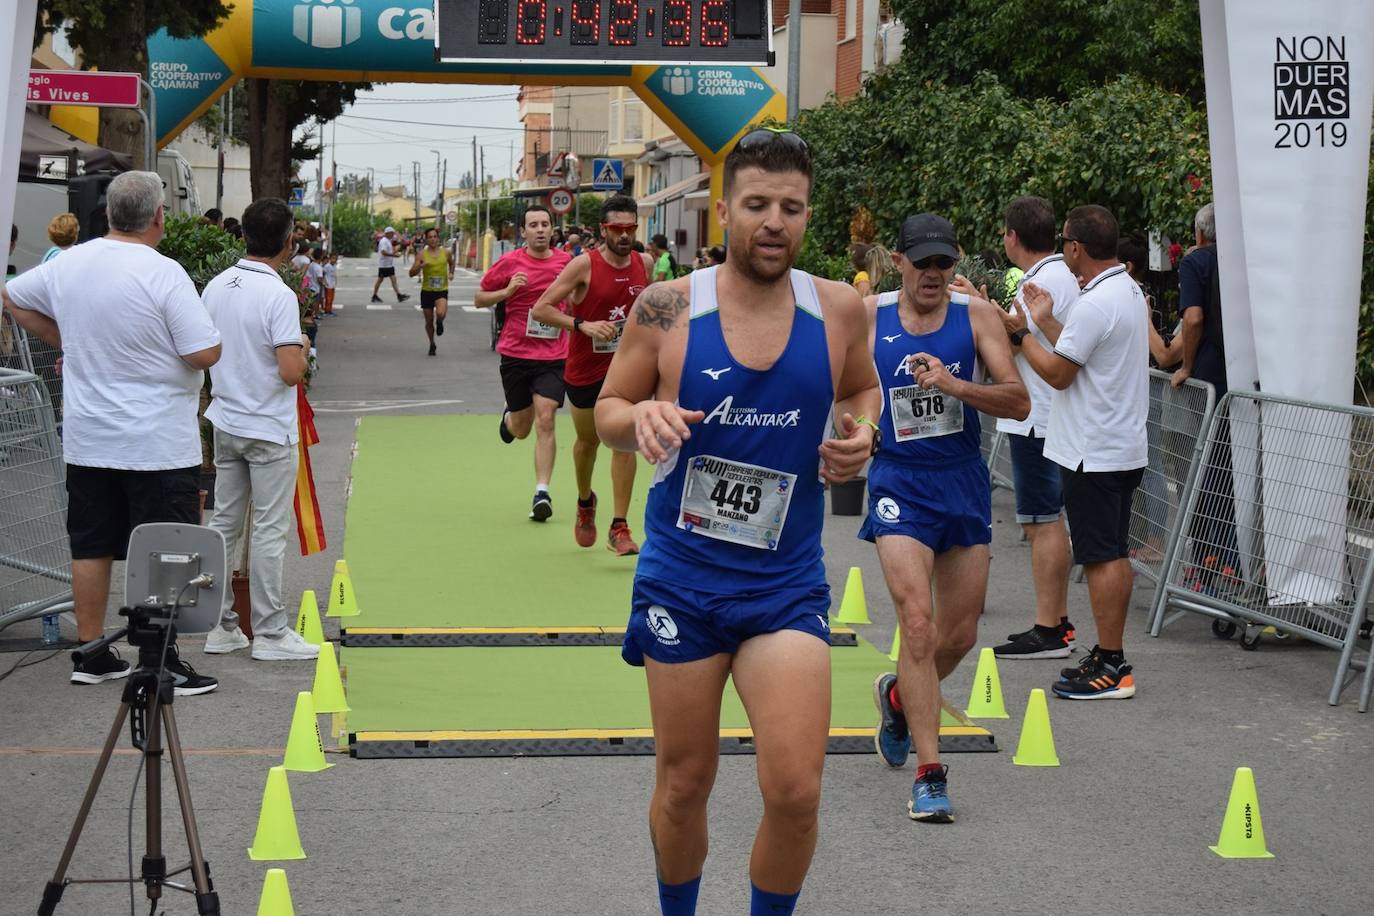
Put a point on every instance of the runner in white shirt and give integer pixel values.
(386, 265)
(1099, 368)
(256, 432)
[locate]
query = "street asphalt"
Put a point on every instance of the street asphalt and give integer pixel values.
(1124, 823)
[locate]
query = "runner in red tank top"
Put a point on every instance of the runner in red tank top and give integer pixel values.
(600, 285)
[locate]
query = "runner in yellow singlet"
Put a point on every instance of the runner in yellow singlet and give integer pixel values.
(435, 268)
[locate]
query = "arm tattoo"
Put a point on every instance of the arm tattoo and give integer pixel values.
(660, 306)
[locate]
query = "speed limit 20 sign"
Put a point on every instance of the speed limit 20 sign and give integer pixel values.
(561, 201)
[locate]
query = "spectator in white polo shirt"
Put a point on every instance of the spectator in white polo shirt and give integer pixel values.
(135, 342)
(1099, 368)
(254, 415)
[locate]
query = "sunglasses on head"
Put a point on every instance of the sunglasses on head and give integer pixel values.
(765, 136)
(939, 261)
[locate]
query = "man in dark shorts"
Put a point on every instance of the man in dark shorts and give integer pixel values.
(132, 372)
(600, 285)
(1099, 368)
(532, 353)
(386, 265)
(436, 270)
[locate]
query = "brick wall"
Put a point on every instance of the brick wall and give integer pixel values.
(848, 54)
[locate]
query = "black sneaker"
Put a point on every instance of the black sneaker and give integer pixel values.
(1088, 663)
(107, 666)
(439, 326)
(376, 298)
(542, 509)
(1065, 628)
(185, 681)
(1097, 679)
(506, 435)
(402, 297)
(433, 349)
(1037, 642)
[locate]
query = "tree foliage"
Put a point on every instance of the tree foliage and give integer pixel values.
(966, 151)
(114, 36)
(276, 108)
(1054, 48)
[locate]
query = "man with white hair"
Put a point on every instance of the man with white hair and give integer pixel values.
(386, 265)
(135, 342)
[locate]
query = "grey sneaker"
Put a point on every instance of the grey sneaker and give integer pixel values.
(289, 646)
(221, 641)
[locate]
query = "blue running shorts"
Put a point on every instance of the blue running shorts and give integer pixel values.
(672, 623)
(940, 507)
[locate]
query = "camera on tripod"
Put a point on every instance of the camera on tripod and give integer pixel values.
(174, 580)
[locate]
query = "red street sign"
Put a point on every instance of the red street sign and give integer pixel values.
(84, 87)
(560, 202)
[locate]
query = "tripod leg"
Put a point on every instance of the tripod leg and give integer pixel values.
(207, 901)
(53, 892)
(154, 862)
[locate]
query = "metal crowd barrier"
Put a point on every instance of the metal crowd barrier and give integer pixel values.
(35, 557)
(19, 350)
(1175, 427)
(1278, 527)
(996, 455)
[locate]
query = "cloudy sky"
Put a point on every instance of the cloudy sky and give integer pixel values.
(400, 123)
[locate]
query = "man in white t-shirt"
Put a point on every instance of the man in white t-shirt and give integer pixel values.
(1028, 238)
(386, 265)
(256, 433)
(135, 342)
(1099, 368)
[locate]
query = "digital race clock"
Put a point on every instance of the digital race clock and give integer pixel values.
(605, 31)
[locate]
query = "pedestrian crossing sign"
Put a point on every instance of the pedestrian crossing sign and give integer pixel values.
(608, 174)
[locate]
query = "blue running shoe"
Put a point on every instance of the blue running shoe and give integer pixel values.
(930, 798)
(891, 739)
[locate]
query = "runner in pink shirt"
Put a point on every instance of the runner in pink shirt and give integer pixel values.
(532, 354)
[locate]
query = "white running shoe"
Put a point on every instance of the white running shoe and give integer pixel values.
(289, 646)
(221, 641)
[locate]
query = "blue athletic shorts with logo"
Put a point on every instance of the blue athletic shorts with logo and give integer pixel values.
(672, 623)
(941, 507)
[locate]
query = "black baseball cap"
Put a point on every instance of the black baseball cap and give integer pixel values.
(926, 234)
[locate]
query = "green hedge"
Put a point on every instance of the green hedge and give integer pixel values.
(903, 147)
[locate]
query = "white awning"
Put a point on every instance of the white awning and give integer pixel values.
(673, 192)
(697, 200)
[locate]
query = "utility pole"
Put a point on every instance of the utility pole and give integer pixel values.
(319, 168)
(371, 180)
(476, 204)
(486, 194)
(443, 190)
(794, 46)
(334, 182)
(219, 159)
(415, 171)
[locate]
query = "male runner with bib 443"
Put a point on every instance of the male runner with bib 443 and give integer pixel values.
(930, 499)
(600, 285)
(716, 384)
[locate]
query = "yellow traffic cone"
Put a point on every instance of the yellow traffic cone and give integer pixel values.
(304, 750)
(896, 652)
(276, 895)
(308, 619)
(1036, 747)
(342, 602)
(985, 699)
(328, 690)
(1242, 833)
(854, 607)
(277, 837)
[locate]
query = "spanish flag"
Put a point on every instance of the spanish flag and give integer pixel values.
(309, 523)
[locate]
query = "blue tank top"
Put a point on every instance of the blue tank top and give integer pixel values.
(925, 428)
(739, 507)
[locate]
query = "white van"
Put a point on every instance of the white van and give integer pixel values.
(180, 183)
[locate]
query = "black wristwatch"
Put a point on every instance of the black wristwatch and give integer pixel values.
(1018, 336)
(577, 324)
